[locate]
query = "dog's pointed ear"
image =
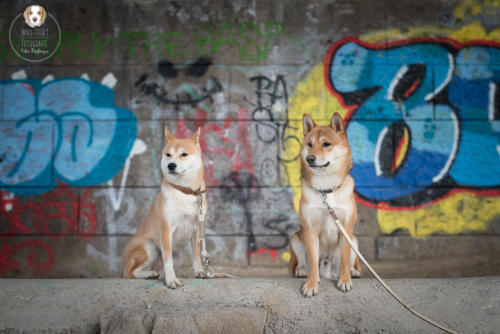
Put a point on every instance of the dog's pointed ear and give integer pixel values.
(337, 123)
(307, 123)
(168, 135)
(196, 136)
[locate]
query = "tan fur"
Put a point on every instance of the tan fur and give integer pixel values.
(135, 255)
(25, 15)
(157, 232)
(318, 239)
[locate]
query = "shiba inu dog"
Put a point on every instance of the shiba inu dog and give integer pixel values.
(173, 218)
(319, 247)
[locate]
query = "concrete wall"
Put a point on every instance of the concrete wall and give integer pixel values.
(81, 133)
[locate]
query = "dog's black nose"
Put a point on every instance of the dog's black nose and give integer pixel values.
(311, 158)
(172, 166)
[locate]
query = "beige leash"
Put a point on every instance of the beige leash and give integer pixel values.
(341, 228)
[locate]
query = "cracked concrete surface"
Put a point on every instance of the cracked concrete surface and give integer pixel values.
(246, 305)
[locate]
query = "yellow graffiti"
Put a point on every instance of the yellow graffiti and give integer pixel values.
(469, 32)
(460, 212)
(285, 256)
(310, 96)
(457, 213)
(467, 8)
(472, 8)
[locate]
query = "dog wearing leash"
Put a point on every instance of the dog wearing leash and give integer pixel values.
(318, 248)
(173, 218)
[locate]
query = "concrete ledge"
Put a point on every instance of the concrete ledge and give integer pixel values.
(247, 305)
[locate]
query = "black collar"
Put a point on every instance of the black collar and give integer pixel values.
(329, 191)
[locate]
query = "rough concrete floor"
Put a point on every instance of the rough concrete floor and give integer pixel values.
(459, 266)
(249, 305)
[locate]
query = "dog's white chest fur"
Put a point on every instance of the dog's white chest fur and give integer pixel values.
(181, 211)
(315, 211)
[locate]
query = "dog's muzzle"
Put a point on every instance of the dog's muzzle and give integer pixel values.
(311, 161)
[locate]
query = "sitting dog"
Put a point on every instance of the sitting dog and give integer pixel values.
(173, 217)
(319, 246)
(34, 15)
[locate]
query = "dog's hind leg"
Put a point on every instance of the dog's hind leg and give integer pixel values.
(298, 249)
(141, 259)
(196, 247)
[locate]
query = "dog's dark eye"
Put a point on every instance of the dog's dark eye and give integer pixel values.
(326, 144)
(184, 154)
(168, 155)
(310, 144)
(39, 13)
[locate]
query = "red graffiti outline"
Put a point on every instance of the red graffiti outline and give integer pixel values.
(273, 253)
(49, 209)
(7, 253)
(351, 108)
(42, 217)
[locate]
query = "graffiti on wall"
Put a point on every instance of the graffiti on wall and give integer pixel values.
(58, 133)
(422, 118)
(268, 111)
(249, 41)
(64, 130)
(226, 145)
(188, 96)
(54, 214)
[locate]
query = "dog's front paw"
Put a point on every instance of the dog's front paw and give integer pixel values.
(355, 273)
(344, 285)
(310, 288)
(300, 272)
(173, 282)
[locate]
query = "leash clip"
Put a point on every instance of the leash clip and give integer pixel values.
(324, 197)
